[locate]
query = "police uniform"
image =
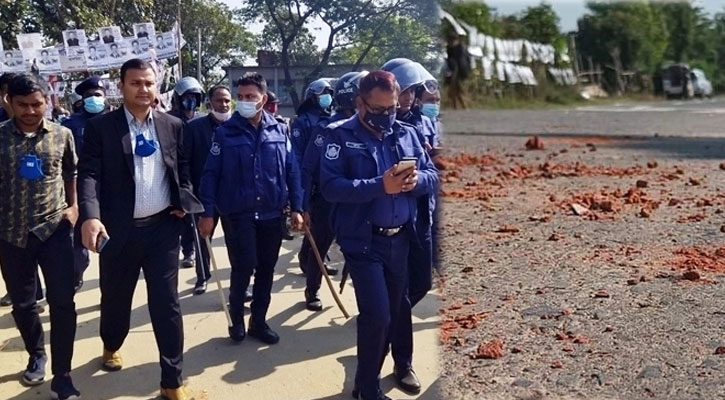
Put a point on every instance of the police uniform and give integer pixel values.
(310, 117)
(314, 203)
(373, 229)
(250, 175)
(77, 124)
(420, 256)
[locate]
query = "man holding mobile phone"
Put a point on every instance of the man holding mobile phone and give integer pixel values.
(375, 213)
(134, 190)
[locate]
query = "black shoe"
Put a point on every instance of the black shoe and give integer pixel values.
(5, 301)
(378, 396)
(61, 388)
(200, 287)
(312, 300)
(237, 332)
(248, 296)
(407, 380)
(332, 271)
(188, 262)
(263, 333)
(78, 285)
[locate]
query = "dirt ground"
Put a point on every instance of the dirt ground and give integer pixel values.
(590, 266)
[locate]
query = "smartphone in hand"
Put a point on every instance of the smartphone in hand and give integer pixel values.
(405, 164)
(102, 241)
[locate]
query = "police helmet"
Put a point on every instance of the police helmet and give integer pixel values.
(346, 89)
(318, 87)
(189, 84)
(410, 74)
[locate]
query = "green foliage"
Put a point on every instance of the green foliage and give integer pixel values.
(224, 38)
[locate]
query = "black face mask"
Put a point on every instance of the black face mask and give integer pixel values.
(381, 122)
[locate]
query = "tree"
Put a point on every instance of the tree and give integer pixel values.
(224, 38)
(290, 17)
(540, 24)
(302, 51)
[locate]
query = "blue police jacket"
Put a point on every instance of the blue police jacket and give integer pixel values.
(311, 161)
(424, 125)
(309, 118)
(351, 175)
(77, 124)
(251, 171)
(3, 115)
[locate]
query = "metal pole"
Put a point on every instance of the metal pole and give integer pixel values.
(178, 37)
(198, 56)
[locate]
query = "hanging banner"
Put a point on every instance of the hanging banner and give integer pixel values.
(166, 45)
(75, 41)
(13, 61)
(117, 53)
(110, 34)
(48, 60)
(97, 56)
(144, 30)
(139, 47)
(28, 43)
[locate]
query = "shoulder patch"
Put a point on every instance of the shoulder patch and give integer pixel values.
(356, 145)
(215, 149)
(319, 140)
(296, 132)
(333, 151)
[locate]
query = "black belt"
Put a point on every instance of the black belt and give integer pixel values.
(152, 219)
(388, 232)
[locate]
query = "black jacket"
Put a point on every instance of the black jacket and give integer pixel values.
(106, 188)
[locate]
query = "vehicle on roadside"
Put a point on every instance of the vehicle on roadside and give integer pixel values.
(677, 81)
(701, 85)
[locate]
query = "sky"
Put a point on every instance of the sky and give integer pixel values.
(568, 10)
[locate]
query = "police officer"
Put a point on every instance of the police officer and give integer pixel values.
(250, 173)
(413, 78)
(188, 95)
(272, 107)
(76, 102)
(375, 213)
(93, 95)
(38, 209)
(318, 208)
(198, 136)
(314, 112)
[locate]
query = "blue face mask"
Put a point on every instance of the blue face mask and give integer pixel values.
(189, 104)
(380, 122)
(145, 147)
(430, 110)
(325, 100)
(31, 167)
(94, 104)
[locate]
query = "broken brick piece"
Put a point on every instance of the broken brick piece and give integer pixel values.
(691, 276)
(601, 294)
(490, 351)
(534, 143)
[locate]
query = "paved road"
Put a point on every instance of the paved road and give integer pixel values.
(662, 118)
(315, 358)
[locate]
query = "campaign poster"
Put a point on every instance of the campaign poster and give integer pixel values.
(144, 30)
(13, 61)
(75, 41)
(117, 53)
(110, 34)
(48, 60)
(165, 45)
(28, 43)
(96, 55)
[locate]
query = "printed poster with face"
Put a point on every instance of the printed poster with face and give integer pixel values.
(96, 55)
(110, 34)
(73, 62)
(48, 60)
(75, 41)
(139, 48)
(2, 53)
(28, 43)
(165, 45)
(117, 53)
(144, 30)
(13, 61)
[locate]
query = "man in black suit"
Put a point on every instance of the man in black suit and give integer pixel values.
(142, 32)
(72, 39)
(135, 189)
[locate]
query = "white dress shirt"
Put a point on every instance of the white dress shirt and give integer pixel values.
(153, 192)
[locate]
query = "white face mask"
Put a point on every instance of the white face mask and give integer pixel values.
(248, 109)
(221, 117)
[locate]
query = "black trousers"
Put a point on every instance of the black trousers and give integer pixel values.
(323, 235)
(188, 248)
(253, 248)
(155, 249)
(81, 256)
(20, 271)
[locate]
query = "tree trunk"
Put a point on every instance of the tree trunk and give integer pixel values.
(615, 53)
(288, 82)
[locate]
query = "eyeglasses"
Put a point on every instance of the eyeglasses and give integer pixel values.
(380, 110)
